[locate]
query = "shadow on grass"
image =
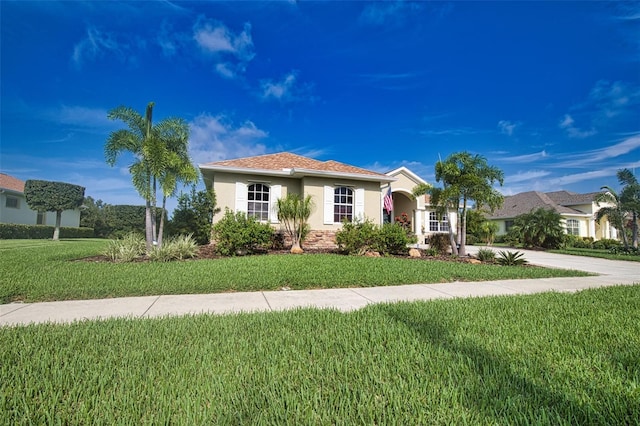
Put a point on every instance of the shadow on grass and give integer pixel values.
(489, 385)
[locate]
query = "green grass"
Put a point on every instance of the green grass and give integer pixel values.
(46, 270)
(603, 254)
(553, 358)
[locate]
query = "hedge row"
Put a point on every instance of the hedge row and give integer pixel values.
(11, 231)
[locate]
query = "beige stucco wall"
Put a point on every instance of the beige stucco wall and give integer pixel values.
(224, 185)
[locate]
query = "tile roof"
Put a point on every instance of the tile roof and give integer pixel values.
(287, 160)
(11, 183)
(525, 202)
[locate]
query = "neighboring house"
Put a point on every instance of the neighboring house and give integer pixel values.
(14, 208)
(339, 191)
(424, 219)
(577, 211)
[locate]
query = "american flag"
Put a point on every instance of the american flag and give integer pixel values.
(388, 201)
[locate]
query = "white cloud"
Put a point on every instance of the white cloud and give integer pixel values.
(507, 127)
(215, 138)
(526, 158)
(527, 176)
(230, 51)
(567, 124)
(588, 158)
(389, 12)
(81, 117)
(93, 45)
(612, 99)
(281, 90)
(288, 89)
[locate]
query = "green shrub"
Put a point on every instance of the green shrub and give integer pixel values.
(392, 238)
(126, 249)
(606, 244)
(486, 255)
(357, 237)
(236, 233)
(440, 242)
(511, 258)
(177, 248)
(13, 231)
(431, 251)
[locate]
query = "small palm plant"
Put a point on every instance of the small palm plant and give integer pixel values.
(294, 212)
(511, 258)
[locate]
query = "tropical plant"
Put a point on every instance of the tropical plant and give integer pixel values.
(45, 196)
(538, 228)
(160, 158)
(511, 258)
(294, 212)
(194, 215)
(622, 205)
(465, 178)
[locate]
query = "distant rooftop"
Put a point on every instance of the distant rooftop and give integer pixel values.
(11, 183)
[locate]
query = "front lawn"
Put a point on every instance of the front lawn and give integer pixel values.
(37, 270)
(603, 254)
(553, 358)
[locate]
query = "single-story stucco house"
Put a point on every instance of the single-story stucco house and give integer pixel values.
(14, 207)
(339, 191)
(577, 211)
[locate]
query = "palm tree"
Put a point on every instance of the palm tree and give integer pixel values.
(294, 211)
(468, 178)
(161, 157)
(622, 205)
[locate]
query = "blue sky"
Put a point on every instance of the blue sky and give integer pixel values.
(547, 91)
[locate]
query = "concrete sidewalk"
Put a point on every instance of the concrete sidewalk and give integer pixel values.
(609, 273)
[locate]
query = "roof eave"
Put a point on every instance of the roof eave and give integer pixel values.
(296, 172)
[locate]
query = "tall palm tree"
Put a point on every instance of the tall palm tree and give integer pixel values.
(467, 178)
(160, 154)
(623, 205)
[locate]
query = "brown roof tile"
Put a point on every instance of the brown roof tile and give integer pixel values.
(287, 160)
(11, 183)
(525, 202)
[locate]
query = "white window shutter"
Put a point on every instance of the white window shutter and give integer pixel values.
(274, 195)
(241, 197)
(359, 204)
(328, 205)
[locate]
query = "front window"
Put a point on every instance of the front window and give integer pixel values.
(342, 204)
(12, 203)
(573, 227)
(438, 225)
(42, 218)
(258, 201)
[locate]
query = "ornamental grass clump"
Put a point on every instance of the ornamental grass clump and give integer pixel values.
(126, 249)
(178, 248)
(486, 255)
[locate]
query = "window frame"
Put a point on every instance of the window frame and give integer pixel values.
(441, 225)
(12, 198)
(573, 227)
(343, 210)
(262, 214)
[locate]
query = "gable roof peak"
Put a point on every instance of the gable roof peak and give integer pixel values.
(11, 183)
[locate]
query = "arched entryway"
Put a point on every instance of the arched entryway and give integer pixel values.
(404, 208)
